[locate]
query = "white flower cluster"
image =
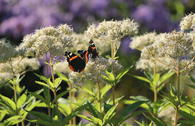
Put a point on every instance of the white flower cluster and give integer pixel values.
(49, 39)
(7, 51)
(167, 51)
(92, 72)
(188, 22)
(164, 53)
(80, 42)
(17, 66)
(108, 32)
(139, 42)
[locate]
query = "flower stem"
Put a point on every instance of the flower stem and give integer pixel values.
(155, 95)
(176, 117)
(72, 122)
(113, 95)
(99, 96)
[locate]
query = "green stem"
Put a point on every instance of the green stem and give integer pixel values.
(113, 95)
(155, 94)
(178, 81)
(22, 123)
(72, 122)
(99, 96)
(15, 100)
(176, 117)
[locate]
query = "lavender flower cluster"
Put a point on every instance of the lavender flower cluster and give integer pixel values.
(21, 17)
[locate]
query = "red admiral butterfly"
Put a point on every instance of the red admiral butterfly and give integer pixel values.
(75, 63)
(92, 49)
(78, 63)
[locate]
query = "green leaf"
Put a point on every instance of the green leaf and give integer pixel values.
(41, 116)
(21, 100)
(156, 78)
(192, 79)
(64, 109)
(63, 77)
(187, 116)
(109, 114)
(13, 120)
(156, 120)
(57, 82)
(124, 114)
(166, 76)
(2, 114)
(90, 108)
(43, 84)
(40, 98)
(47, 95)
(121, 74)
(191, 85)
(105, 89)
(8, 102)
(142, 78)
(88, 91)
(62, 94)
(110, 78)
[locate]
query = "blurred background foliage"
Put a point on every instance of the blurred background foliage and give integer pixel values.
(21, 17)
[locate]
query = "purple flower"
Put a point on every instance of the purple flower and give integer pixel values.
(154, 17)
(44, 63)
(124, 47)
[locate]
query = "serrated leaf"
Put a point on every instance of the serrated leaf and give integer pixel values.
(156, 120)
(63, 77)
(42, 83)
(39, 97)
(121, 74)
(142, 78)
(57, 82)
(192, 79)
(120, 118)
(156, 78)
(21, 100)
(64, 109)
(105, 89)
(13, 120)
(41, 116)
(109, 77)
(166, 76)
(2, 114)
(45, 79)
(191, 85)
(61, 94)
(88, 91)
(187, 116)
(90, 108)
(8, 102)
(109, 114)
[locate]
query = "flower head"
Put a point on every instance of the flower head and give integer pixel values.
(109, 32)
(49, 39)
(7, 51)
(188, 22)
(139, 42)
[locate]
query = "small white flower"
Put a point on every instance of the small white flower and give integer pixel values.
(49, 39)
(188, 22)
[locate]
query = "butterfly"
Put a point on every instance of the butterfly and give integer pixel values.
(77, 63)
(92, 49)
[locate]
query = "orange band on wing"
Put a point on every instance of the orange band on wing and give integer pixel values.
(72, 58)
